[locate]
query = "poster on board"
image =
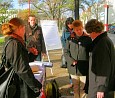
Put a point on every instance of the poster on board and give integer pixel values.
(51, 34)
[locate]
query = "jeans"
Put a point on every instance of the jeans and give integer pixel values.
(39, 57)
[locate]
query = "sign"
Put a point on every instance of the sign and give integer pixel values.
(51, 34)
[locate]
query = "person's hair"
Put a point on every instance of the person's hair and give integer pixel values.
(94, 25)
(31, 16)
(11, 26)
(69, 20)
(77, 23)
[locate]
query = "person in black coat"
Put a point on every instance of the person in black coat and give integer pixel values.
(17, 57)
(102, 62)
(77, 56)
(34, 40)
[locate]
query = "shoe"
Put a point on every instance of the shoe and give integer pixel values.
(71, 92)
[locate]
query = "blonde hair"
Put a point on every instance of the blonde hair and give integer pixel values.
(8, 28)
(11, 26)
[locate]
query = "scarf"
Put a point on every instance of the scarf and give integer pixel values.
(18, 38)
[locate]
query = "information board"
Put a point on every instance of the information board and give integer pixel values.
(51, 34)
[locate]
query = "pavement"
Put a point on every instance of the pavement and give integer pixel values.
(60, 74)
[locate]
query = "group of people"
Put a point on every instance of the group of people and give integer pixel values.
(89, 52)
(26, 45)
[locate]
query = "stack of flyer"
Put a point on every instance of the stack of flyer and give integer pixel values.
(38, 70)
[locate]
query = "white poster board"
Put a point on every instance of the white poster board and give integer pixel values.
(51, 34)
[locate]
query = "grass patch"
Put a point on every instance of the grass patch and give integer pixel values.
(1, 41)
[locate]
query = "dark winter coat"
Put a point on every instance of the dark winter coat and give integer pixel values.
(77, 49)
(34, 38)
(102, 66)
(17, 56)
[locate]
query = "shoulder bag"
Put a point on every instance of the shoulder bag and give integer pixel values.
(5, 77)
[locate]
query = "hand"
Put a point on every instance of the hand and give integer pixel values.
(100, 94)
(33, 50)
(37, 92)
(75, 62)
(43, 54)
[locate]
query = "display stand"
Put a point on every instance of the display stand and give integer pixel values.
(41, 74)
(51, 36)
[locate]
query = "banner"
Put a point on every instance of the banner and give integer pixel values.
(51, 34)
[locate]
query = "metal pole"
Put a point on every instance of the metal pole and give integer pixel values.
(76, 9)
(106, 16)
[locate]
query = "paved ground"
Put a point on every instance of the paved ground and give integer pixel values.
(60, 74)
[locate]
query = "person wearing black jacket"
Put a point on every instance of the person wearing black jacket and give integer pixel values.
(102, 62)
(77, 56)
(17, 57)
(34, 40)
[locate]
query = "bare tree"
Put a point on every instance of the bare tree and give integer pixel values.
(57, 9)
(91, 9)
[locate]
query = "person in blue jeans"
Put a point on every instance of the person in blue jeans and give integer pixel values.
(66, 33)
(34, 40)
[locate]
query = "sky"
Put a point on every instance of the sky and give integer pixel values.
(16, 5)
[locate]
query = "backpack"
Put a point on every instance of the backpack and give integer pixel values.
(52, 89)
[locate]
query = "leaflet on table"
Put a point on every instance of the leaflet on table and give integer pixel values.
(40, 72)
(36, 63)
(46, 64)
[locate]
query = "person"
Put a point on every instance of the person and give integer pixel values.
(77, 56)
(17, 57)
(102, 62)
(34, 40)
(68, 29)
